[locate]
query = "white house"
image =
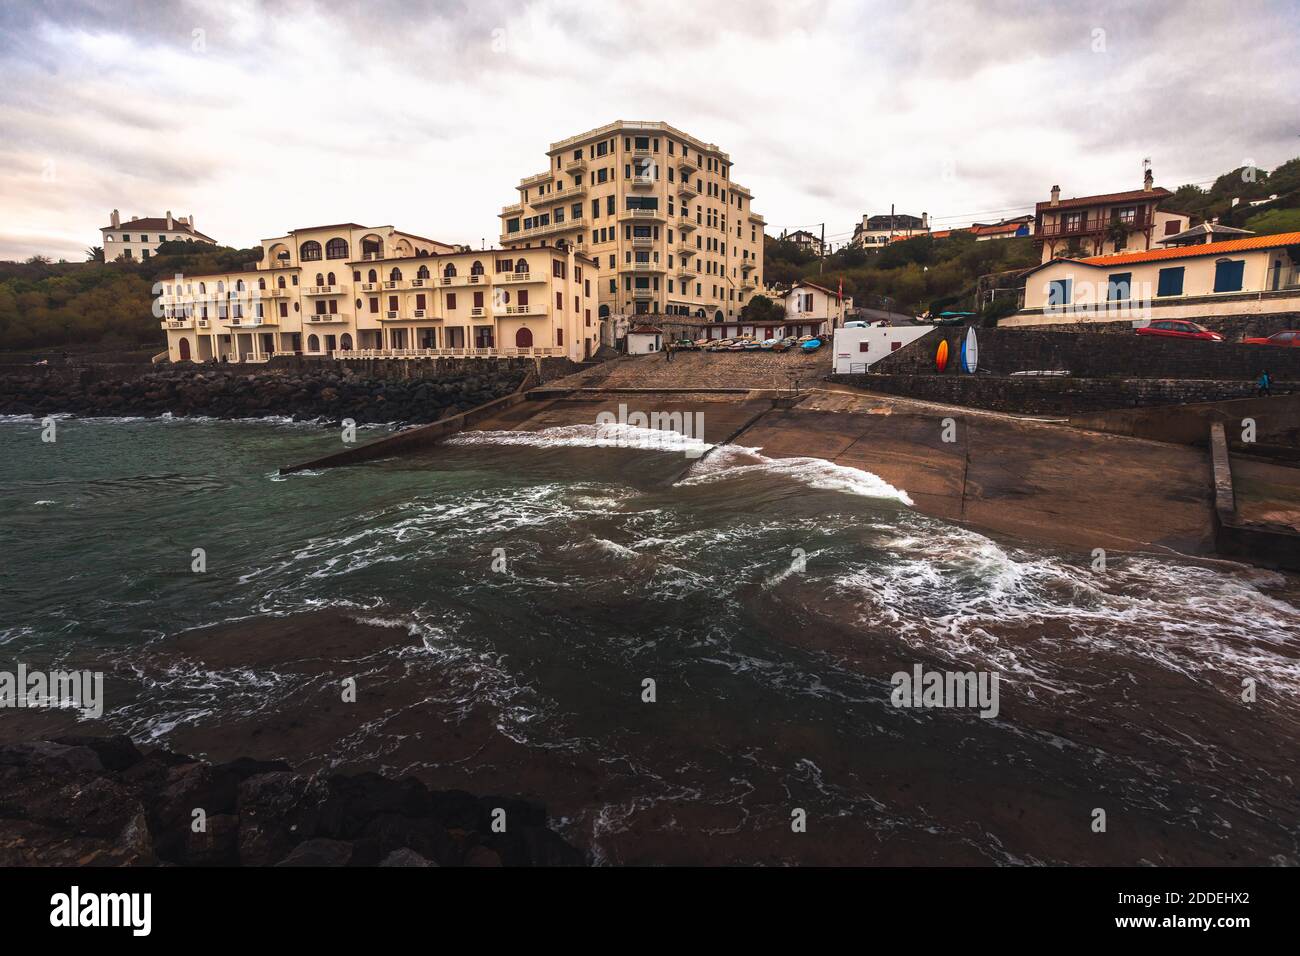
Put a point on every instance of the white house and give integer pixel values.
(139, 238)
(644, 339)
(857, 349)
(807, 301)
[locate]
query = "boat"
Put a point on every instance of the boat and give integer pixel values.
(812, 345)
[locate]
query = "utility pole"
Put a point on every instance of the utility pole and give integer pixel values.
(821, 259)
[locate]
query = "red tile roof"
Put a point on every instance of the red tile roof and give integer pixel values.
(155, 223)
(1159, 192)
(1208, 249)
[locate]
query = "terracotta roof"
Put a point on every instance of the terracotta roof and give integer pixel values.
(810, 285)
(1208, 249)
(1159, 192)
(646, 330)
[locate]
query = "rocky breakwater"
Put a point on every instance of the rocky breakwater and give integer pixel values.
(327, 394)
(100, 801)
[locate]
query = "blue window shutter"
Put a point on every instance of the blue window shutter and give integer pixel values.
(1228, 274)
(1058, 292)
(1171, 281)
(1119, 286)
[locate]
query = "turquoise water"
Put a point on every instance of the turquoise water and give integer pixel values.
(770, 602)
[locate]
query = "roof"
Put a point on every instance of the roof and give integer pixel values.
(158, 222)
(1183, 252)
(645, 330)
(1207, 229)
(1159, 192)
(801, 284)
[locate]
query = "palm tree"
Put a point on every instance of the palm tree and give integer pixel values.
(94, 253)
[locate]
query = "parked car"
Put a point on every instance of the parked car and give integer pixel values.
(1180, 329)
(1288, 339)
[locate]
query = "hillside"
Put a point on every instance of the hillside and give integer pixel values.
(92, 305)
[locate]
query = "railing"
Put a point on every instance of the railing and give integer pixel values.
(684, 188)
(686, 223)
(515, 277)
(641, 179)
(395, 284)
(640, 241)
(369, 287)
(575, 222)
(1278, 279)
(477, 312)
(322, 290)
(642, 214)
(325, 317)
(371, 256)
(519, 310)
(1091, 224)
(420, 283)
(685, 250)
(747, 265)
(647, 266)
(392, 315)
(643, 293)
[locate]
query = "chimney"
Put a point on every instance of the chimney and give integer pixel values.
(1056, 195)
(115, 219)
(1147, 181)
(190, 220)
(170, 223)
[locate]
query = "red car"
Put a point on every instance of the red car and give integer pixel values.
(1178, 329)
(1290, 338)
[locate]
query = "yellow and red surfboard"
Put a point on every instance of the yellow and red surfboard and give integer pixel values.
(941, 356)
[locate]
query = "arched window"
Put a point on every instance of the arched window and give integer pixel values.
(521, 265)
(524, 339)
(221, 286)
(422, 272)
(279, 282)
(203, 288)
(395, 275)
(336, 249)
(320, 279)
(329, 279)
(476, 269)
(184, 346)
(717, 316)
(345, 342)
(372, 276)
(603, 312)
(239, 285)
(309, 250)
(313, 343)
(261, 283)
(449, 270)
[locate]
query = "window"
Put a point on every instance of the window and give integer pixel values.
(374, 304)
(1119, 287)
(309, 251)
(336, 249)
(1227, 275)
(1058, 292)
(1170, 282)
(451, 301)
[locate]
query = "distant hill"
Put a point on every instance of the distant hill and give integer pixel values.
(1247, 186)
(93, 305)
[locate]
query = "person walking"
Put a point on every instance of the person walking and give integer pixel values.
(1265, 384)
(668, 352)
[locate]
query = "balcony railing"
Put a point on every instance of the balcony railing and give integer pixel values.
(515, 277)
(369, 287)
(421, 283)
(747, 266)
(322, 290)
(477, 312)
(446, 353)
(684, 188)
(393, 316)
(372, 256)
(394, 283)
(644, 293)
(519, 310)
(639, 265)
(575, 222)
(641, 242)
(1086, 225)
(575, 165)
(325, 317)
(686, 223)
(643, 180)
(684, 250)
(642, 214)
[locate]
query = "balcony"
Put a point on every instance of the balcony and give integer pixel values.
(477, 312)
(686, 224)
(553, 228)
(519, 310)
(421, 283)
(395, 284)
(643, 266)
(275, 293)
(202, 323)
(686, 190)
(686, 273)
(516, 277)
(393, 316)
(642, 242)
(684, 250)
(322, 290)
(643, 215)
(178, 323)
(326, 317)
(575, 166)
(748, 266)
(686, 167)
(250, 321)
(513, 209)
(643, 294)
(747, 285)
(1085, 225)
(369, 287)
(643, 181)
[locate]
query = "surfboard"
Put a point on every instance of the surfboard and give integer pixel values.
(941, 356)
(970, 351)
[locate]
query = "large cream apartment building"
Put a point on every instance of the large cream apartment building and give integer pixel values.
(656, 209)
(352, 291)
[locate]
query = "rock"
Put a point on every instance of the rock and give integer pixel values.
(519, 812)
(215, 845)
(424, 835)
(116, 753)
(456, 809)
(272, 810)
(482, 856)
(405, 857)
(50, 757)
(352, 801)
(319, 852)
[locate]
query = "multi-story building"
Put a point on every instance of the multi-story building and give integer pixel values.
(350, 291)
(876, 232)
(1107, 224)
(805, 241)
(657, 210)
(139, 238)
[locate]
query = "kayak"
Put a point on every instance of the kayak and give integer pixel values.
(812, 345)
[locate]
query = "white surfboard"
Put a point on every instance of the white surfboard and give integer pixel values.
(971, 353)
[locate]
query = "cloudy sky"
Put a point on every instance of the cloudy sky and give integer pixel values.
(258, 117)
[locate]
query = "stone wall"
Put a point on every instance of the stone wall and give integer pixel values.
(1096, 355)
(329, 390)
(1232, 327)
(1049, 396)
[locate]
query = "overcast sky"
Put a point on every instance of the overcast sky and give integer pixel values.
(261, 117)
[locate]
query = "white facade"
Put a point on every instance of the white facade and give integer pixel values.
(856, 350)
(807, 302)
(644, 343)
(139, 238)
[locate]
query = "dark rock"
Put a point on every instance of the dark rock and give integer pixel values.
(217, 844)
(116, 753)
(50, 757)
(319, 852)
(482, 856)
(456, 809)
(405, 857)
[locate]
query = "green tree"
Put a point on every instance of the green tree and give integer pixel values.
(94, 253)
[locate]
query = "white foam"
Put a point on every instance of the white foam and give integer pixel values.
(615, 435)
(733, 461)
